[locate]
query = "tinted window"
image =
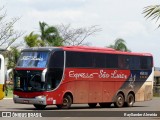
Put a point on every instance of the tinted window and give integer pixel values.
(55, 71)
(123, 61)
(57, 60)
(79, 59)
(146, 62)
(134, 62)
(99, 60)
(111, 61)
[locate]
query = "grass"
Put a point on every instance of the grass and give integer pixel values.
(9, 92)
(156, 95)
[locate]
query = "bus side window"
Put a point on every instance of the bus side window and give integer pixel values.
(0, 63)
(146, 62)
(55, 72)
(123, 61)
(111, 61)
(99, 60)
(79, 59)
(134, 62)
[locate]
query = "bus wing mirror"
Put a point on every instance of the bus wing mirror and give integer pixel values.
(43, 75)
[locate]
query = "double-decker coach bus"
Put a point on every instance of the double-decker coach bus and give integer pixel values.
(63, 76)
(2, 77)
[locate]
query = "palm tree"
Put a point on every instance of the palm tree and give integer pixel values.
(32, 40)
(153, 12)
(120, 45)
(50, 34)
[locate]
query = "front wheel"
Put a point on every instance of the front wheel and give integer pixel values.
(67, 102)
(119, 102)
(39, 107)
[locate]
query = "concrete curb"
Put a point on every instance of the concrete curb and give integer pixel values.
(7, 98)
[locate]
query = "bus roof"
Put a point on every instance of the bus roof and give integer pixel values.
(101, 50)
(86, 49)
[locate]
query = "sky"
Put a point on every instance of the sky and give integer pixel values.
(117, 19)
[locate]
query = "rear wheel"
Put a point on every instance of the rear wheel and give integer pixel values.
(119, 102)
(39, 107)
(130, 100)
(105, 105)
(92, 105)
(67, 102)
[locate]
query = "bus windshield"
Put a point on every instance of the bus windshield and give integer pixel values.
(33, 59)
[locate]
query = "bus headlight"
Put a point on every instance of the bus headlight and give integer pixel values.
(15, 96)
(41, 97)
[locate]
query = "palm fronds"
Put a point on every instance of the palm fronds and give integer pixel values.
(152, 12)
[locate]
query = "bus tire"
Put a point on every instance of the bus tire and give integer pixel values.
(92, 105)
(105, 105)
(130, 100)
(119, 102)
(39, 107)
(67, 102)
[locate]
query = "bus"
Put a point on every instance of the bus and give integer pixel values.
(2, 77)
(63, 76)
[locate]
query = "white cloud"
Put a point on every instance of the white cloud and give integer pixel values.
(132, 28)
(56, 15)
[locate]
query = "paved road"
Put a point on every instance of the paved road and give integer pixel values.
(153, 105)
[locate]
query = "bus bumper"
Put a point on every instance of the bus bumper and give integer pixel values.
(39, 100)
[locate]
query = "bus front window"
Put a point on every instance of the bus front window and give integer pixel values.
(28, 80)
(33, 59)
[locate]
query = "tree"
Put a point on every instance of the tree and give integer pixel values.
(60, 35)
(72, 36)
(7, 33)
(153, 12)
(32, 40)
(50, 35)
(120, 45)
(13, 55)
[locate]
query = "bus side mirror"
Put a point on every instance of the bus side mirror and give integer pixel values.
(43, 75)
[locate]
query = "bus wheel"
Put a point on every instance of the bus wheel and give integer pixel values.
(105, 105)
(39, 107)
(130, 100)
(67, 101)
(119, 101)
(92, 105)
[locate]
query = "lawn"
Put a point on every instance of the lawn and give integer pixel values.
(9, 92)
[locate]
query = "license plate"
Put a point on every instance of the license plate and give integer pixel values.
(25, 101)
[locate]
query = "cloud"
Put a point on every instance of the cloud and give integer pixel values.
(132, 28)
(55, 16)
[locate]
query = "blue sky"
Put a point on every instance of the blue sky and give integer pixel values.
(117, 18)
